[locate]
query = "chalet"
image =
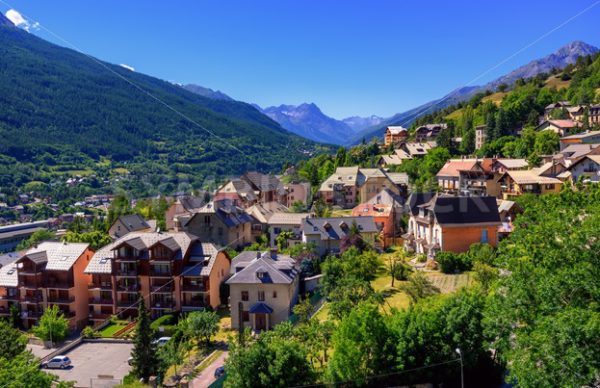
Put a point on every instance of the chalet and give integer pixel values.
(560, 127)
(238, 191)
(586, 169)
(394, 159)
(394, 135)
(172, 271)
(127, 224)
(465, 176)
(263, 289)
(555, 105)
(182, 210)
(449, 223)
(429, 131)
(503, 165)
(576, 112)
(221, 223)
(327, 233)
(267, 187)
(587, 137)
(541, 180)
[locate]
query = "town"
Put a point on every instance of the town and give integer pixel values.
(159, 233)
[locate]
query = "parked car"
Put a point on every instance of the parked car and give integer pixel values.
(130, 361)
(61, 362)
(162, 341)
(220, 371)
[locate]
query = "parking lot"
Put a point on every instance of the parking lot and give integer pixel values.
(93, 359)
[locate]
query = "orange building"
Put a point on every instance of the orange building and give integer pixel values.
(394, 135)
(383, 215)
(53, 274)
(448, 223)
(173, 271)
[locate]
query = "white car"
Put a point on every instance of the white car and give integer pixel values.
(162, 341)
(61, 362)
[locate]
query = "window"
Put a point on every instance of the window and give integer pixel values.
(245, 296)
(261, 296)
(245, 316)
(207, 220)
(484, 236)
(274, 294)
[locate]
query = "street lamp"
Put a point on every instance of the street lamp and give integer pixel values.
(462, 377)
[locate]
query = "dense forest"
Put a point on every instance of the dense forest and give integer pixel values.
(64, 114)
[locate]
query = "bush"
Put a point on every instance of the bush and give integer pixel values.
(451, 262)
(88, 332)
(165, 320)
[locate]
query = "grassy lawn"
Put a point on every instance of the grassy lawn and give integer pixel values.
(496, 98)
(341, 213)
(323, 314)
(111, 329)
(225, 329)
(554, 82)
(207, 361)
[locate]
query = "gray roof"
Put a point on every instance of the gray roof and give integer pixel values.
(227, 212)
(8, 258)
(337, 227)
(134, 222)
(58, 256)
(191, 203)
(386, 197)
(287, 218)
(262, 182)
(176, 241)
(253, 267)
(8, 275)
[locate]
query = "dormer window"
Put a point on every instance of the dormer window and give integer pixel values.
(261, 274)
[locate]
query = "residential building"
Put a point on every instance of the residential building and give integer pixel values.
(344, 187)
(561, 127)
(9, 290)
(394, 159)
(465, 176)
(263, 289)
(555, 105)
(417, 149)
(503, 165)
(127, 224)
(286, 222)
(534, 181)
(451, 223)
(172, 271)
(586, 169)
(182, 210)
(383, 215)
(573, 152)
(480, 136)
(594, 115)
(12, 235)
(587, 137)
(221, 223)
(238, 191)
(267, 187)
(394, 135)
(328, 233)
(296, 192)
(577, 112)
(261, 213)
(429, 131)
(53, 274)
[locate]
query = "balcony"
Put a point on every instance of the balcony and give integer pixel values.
(163, 305)
(28, 271)
(31, 314)
(99, 316)
(162, 288)
(126, 272)
(9, 297)
(193, 288)
(126, 259)
(30, 285)
(31, 299)
(59, 284)
(61, 299)
(100, 286)
(68, 314)
(101, 301)
(128, 287)
(193, 304)
(127, 303)
(155, 272)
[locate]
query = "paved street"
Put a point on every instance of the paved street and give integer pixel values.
(39, 350)
(89, 360)
(207, 376)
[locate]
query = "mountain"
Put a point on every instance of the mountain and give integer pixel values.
(358, 123)
(207, 92)
(62, 111)
(564, 56)
(5, 22)
(308, 121)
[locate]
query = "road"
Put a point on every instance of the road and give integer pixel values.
(207, 376)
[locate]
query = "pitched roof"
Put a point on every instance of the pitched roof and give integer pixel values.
(525, 177)
(263, 268)
(280, 218)
(454, 166)
(451, 210)
(396, 130)
(373, 210)
(417, 149)
(398, 178)
(513, 164)
(176, 241)
(581, 135)
(191, 203)
(58, 256)
(336, 228)
(565, 123)
(226, 211)
(387, 197)
(134, 222)
(417, 199)
(348, 176)
(262, 182)
(8, 275)
(578, 150)
(264, 211)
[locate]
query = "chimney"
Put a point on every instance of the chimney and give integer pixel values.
(258, 254)
(274, 253)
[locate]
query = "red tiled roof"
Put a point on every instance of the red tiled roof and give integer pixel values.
(452, 167)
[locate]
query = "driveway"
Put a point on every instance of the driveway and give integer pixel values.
(207, 376)
(96, 364)
(39, 350)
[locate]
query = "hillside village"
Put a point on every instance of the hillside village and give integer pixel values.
(457, 243)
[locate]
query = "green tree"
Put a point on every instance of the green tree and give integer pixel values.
(546, 143)
(36, 238)
(397, 268)
(201, 325)
(145, 360)
(362, 346)
(53, 326)
(23, 370)
(419, 287)
(283, 238)
(12, 342)
(303, 310)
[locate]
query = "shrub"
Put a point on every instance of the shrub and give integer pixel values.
(88, 332)
(451, 262)
(165, 320)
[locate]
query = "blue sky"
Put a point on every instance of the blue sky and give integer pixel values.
(348, 57)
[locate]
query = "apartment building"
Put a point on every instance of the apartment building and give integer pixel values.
(53, 274)
(173, 271)
(394, 135)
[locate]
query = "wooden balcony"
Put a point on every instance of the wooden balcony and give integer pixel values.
(99, 316)
(100, 286)
(31, 299)
(61, 299)
(162, 288)
(59, 284)
(101, 301)
(126, 272)
(163, 305)
(128, 287)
